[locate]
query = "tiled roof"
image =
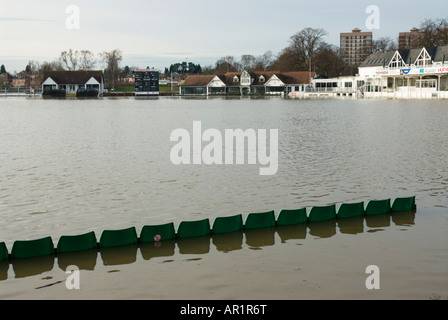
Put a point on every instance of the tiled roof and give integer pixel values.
(376, 59)
(296, 77)
(198, 80)
(440, 53)
(379, 58)
(293, 77)
(73, 77)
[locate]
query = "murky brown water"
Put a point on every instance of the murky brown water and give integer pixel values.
(72, 166)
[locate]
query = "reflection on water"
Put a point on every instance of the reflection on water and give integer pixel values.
(157, 249)
(226, 243)
(119, 255)
(33, 266)
(85, 260)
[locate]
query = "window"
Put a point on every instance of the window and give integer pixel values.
(235, 79)
(245, 81)
(423, 58)
(426, 83)
(261, 79)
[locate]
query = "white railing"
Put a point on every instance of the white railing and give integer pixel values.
(20, 92)
(331, 89)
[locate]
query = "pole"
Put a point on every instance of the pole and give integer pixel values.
(310, 69)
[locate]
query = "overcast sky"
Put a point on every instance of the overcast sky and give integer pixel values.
(158, 33)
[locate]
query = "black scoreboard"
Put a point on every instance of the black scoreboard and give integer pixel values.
(146, 82)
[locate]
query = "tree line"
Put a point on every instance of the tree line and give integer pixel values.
(306, 51)
(73, 60)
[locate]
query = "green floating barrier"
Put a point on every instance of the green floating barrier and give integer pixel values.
(322, 213)
(378, 207)
(154, 233)
(191, 229)
(32, 248)
(403, 204)
(260, 220)
(227, 224)
(348, 210)
(3, 251)
(289, 217)
(116, 238)
(82, 242)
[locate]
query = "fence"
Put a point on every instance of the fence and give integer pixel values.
(14, 92)
(201, 228)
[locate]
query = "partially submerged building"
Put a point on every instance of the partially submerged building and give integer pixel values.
(415, 73)
(247, 83)
(419, 73)
(76, 83)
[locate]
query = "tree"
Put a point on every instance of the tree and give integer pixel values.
(35, 71)
(304, 45)
(77, 60)
(226, 64)
(125, 71)
(287, 61)
(435, 32)
(247, 62)
(111, 60)
(198, 69)
(209, 69)
(384, 44)
(87, 60)
(264, 61)
(2, 69)
(328, 62)
(69, 59)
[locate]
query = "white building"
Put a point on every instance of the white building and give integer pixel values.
(409, 74)
(403, 74)
(78, 83)
(247, 83)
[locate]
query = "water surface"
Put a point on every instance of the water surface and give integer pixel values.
(72, 166)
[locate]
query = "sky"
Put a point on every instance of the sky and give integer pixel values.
(160, 33)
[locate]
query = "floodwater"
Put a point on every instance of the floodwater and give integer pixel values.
(72, 166)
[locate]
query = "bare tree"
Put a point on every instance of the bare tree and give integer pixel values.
(264, 61)
(34, 73)
(247, 62)
(69, 59)
(111, 60)
(87, 60)
(435, 32)
(384, 44)
(227, 64)
(305, 43)
(442, 32)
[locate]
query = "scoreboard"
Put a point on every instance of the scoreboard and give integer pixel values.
(146, 82)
